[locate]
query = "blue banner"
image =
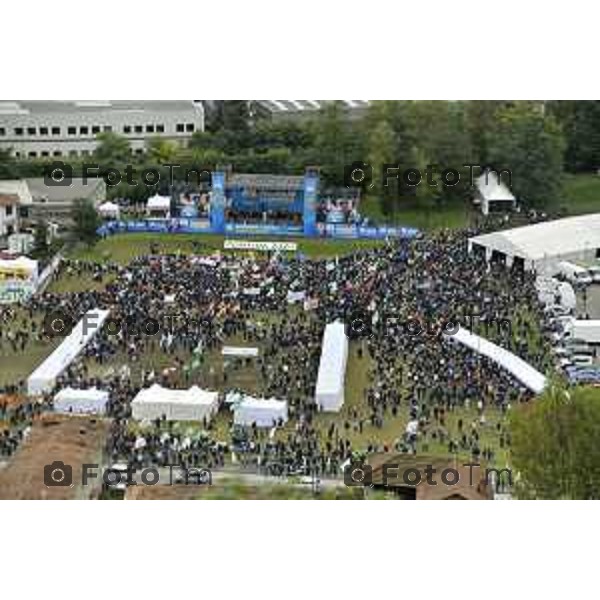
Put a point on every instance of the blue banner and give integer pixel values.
(311, 184)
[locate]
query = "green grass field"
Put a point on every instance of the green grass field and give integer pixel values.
(122, 248)
(582, 193)
(427, 217)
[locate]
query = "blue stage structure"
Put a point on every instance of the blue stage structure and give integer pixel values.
(260, 196)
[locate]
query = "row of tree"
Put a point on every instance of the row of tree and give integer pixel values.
(536, 141)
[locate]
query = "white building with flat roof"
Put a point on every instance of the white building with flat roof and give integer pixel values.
(50, 128)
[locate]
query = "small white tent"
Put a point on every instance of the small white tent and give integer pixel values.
(265, 413)
(194, 404)
(88, 401)
(109, 210)
(159, 206)
(329, 394)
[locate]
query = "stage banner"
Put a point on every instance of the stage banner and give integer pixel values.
(217, 203)
(311, 183)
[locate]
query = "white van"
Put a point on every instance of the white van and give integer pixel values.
(574, 273)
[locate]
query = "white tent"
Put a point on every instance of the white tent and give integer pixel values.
(332, 368)
(493, 192)
(109, 210)
(44, 377)
(161, 204)
(194, 404)
(543, 245)
(89, 401)
(265, 413)
(523, 371)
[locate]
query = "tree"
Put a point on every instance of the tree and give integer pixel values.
(161, 151)
(337, 142)
(580, 120)
(555, 444)
(8, 167)
(86, 221)
(381, 151)
(113, 150)
(40, 239)
(530, 143)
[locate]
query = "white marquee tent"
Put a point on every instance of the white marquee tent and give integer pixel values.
(44, 377)
(88, 401)
(523, 371)
(265, 413)
(543, 245)
(194, 404)
(332, 368)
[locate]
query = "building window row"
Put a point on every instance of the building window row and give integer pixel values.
(72, 153)
(128, 129)
(31, 131)
(95, 129)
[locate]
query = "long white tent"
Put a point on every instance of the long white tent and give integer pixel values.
(262, 412)
(193, 404)
(521, 370)
(329, 394)
(44, 377)
(543, 245)
(88, 401)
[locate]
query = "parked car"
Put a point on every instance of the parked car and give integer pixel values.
(582, 359)
(595, 273)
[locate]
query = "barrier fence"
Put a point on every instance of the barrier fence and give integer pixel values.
(187, 225)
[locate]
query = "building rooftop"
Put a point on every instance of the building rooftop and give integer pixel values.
(32, 107)
(41, 192)
(306, 106)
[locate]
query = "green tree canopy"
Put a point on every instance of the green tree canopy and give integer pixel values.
(113, 150)
(530, 143)
(580, 120)
(555, 446)
(86, 221)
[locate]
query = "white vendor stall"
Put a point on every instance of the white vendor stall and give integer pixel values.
(159, 206)
(194, 404)
(90, 401)
(109, 210)
(332, 369)
(265, 413)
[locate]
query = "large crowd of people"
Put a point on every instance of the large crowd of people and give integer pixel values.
(199, 302)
